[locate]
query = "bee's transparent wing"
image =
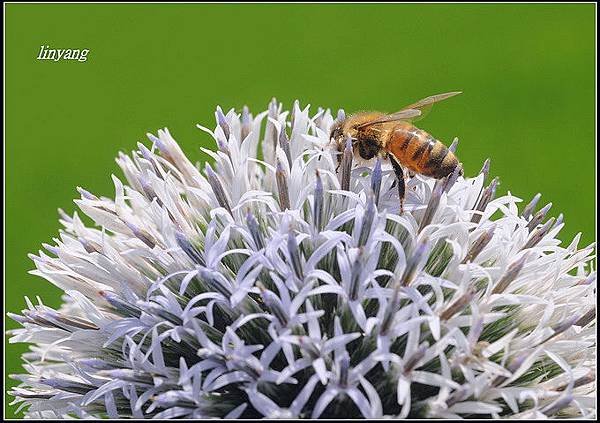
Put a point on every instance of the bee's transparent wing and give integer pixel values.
(426, 104)
(414, 111)
(405, 114)
(431, 99)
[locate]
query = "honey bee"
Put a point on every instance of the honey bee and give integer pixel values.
(393, 136)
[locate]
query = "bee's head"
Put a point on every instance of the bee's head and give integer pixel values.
(336, 132)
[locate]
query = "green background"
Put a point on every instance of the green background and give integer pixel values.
(527, 72)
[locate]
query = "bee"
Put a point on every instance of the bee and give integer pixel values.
(393, 136)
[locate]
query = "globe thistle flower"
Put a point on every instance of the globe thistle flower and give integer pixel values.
(268, 284)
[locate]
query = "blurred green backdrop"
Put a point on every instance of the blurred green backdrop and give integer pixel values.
(527, 72)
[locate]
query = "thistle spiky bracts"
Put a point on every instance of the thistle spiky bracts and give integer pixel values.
(270, 285)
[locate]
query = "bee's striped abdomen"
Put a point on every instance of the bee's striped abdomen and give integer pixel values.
(420, 152)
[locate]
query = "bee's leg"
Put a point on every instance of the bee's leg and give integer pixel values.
(339, 161)
(385, 157)
(401, 185)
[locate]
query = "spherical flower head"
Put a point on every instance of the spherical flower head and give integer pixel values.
(272, 283)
